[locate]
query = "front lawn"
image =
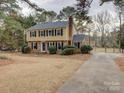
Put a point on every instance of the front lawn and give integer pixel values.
(38, 74)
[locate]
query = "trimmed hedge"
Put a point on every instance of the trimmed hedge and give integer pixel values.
(85, 49)
(68, 47)
(25, 49)
(68, 51)
(22, 48)
(52, 50)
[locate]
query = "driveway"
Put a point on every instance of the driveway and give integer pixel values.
(100, 74)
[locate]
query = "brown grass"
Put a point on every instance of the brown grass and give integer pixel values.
(38, 73)
(120, 63)
(5, 62)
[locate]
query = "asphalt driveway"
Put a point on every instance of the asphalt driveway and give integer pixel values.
(100, 74)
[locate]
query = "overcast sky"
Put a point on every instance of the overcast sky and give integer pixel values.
(57, 5)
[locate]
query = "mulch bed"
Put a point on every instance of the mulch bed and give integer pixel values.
(120, 62)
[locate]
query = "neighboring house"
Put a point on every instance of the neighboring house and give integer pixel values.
(82, 39)
(43, 35)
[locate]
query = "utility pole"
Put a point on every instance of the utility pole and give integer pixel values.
(89, 37)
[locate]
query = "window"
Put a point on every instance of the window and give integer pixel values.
(33, 34)
(42, 33)
(50, 33)
(43, 46)
(59, 45)
(51, 43)
(58, 32)
(35, 45)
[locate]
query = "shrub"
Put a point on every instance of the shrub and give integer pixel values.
(68, 51)
(22, 48)
(77, 51)
(85, 49)
(52, 50)
(122, 43)
(68, 47)
(25, 49)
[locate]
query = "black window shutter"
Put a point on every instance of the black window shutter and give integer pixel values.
(61, 32)
(55, 32)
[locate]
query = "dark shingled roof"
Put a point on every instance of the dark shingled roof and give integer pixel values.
(46, 25)
(78, 37)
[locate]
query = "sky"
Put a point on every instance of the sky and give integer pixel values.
(57, 5)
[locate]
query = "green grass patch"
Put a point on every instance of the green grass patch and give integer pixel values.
(3, 57)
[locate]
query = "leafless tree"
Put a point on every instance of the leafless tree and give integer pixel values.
(103, 21)
(120, 13)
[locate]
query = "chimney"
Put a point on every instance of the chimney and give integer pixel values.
(70, 29)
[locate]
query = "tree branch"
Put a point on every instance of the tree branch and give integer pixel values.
(33, 5)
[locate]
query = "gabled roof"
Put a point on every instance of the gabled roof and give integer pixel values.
(78, 37)
(46, 25)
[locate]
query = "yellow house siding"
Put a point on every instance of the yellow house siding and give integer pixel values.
(48, 38)
(57, 40)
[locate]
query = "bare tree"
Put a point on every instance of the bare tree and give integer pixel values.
(120, 12)
(114, 37)
(102, 23)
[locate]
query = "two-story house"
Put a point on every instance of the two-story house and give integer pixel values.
(42, 35)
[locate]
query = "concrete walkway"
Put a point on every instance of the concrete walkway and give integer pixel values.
(100, 74)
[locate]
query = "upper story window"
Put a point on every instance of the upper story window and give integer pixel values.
(42, 33)
(33, 34)
(58, 32)
(50, 33)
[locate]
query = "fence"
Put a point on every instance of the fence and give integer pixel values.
(107, 50)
